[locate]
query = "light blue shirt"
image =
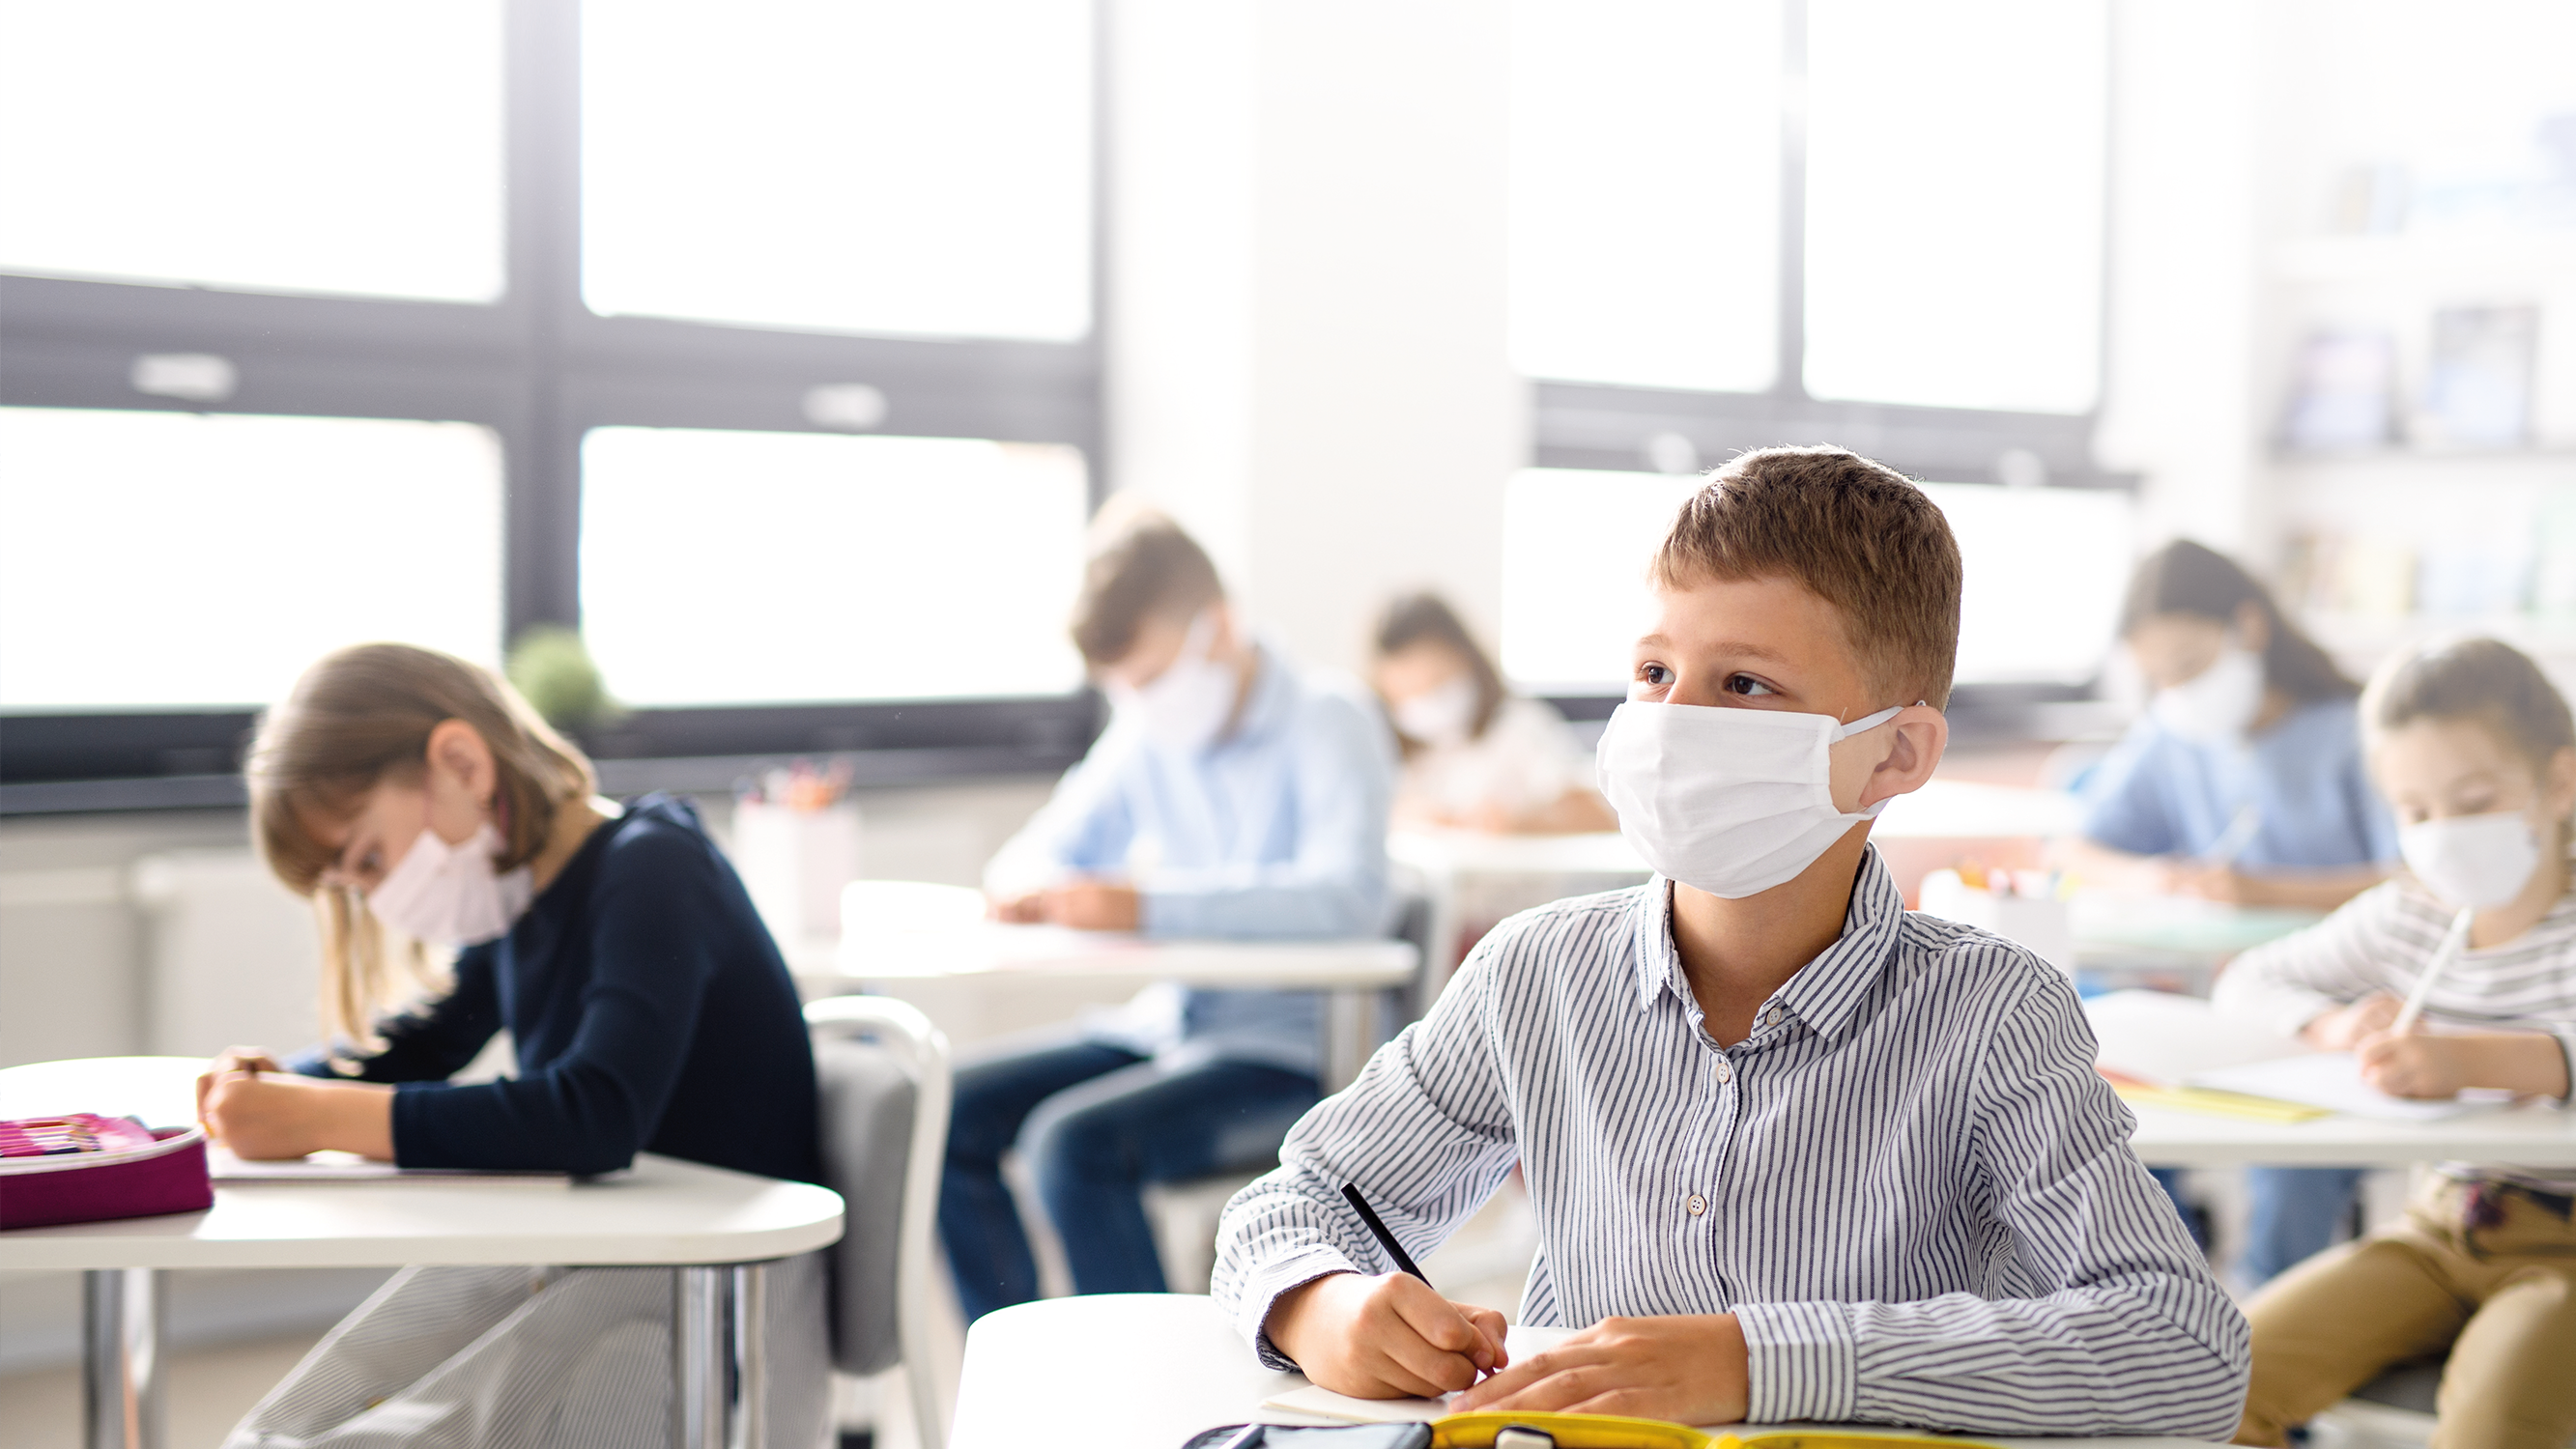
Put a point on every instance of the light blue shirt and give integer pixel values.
(1276, 830)
(2160, 794)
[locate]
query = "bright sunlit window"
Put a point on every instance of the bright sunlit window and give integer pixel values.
(265, 145)
(158, 560)
(1645, 196)
(742, 567)
(2044, 571)
(1955, 158)
(846, 165)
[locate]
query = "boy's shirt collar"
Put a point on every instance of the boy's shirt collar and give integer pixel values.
(1824, 992)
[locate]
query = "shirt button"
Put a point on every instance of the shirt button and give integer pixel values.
(1696, 1204)
(1773, 1019)
(1722, 1072)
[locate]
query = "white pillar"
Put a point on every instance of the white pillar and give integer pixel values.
(1306, 299)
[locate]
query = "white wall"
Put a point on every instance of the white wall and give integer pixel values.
(1306, 299)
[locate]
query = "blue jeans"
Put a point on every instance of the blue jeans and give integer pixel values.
(1096, 1124)
(2295, 1211)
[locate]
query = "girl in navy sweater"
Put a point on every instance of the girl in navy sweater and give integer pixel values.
(425, 808)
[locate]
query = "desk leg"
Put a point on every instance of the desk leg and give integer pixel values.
(1439, 958)
(121, 1322)
(1348, 1017)
(751, 1355)
(698, 1354)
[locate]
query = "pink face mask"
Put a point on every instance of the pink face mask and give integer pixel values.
(451, 895)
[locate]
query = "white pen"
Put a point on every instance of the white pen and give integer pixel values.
(2453, 941)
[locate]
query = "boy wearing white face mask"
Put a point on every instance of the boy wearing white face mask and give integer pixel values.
(1795, 1153)
(1475, 755)
(2477, 755)
(420, 802)
(1231, 796)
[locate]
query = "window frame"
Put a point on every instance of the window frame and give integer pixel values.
(541, 370)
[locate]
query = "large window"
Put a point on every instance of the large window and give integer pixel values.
(746, 346)
(1740, 223)
(1745, 222)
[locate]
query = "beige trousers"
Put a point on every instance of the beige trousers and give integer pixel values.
(2500, 1299)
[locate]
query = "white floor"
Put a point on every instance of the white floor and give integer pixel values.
(210, 1388)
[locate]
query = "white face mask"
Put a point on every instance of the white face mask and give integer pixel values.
(1731, 801)
(450, 895)
(1189, 703)
(2473, 862)
(1439, 716)
(2216, 705)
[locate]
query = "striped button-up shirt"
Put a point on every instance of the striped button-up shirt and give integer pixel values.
(1908, 1184)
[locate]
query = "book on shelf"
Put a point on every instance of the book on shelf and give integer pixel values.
(2342, 392)
(2477, 378)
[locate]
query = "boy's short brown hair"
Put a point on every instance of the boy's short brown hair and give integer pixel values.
(1141, 566)
(1858, 535)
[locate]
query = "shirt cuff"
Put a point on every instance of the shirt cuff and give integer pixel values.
(1274, 1279)
(1800, 1362)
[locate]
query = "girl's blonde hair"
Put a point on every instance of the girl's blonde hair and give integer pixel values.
(2484, 680)
(362, 716)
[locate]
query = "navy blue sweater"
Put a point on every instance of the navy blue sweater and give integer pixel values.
(650, 1011)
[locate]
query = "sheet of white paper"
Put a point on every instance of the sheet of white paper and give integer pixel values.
(2333, 1080)
(2162, 1038)
(223, 1166)
(1522, 1341)
(1325, 1404)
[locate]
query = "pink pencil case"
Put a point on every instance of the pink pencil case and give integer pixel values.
(85, 1168)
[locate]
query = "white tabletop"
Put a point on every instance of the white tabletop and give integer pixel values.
(1485, 852)
(1147, 1371)
(2523, 1136)
(665, 1211)
(904, 930)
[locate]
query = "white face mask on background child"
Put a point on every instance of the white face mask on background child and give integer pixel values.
(2216, 705)
(1187, 705)
(2473, 862)
(1443, 715)
(452, 895)
(1731, 801)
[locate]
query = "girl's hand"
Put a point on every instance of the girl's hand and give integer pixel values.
(234, 1059)
(2416, 1064)
(266, 1116)
(2422, 1064)
(2344, 1028)
(1388, 1337)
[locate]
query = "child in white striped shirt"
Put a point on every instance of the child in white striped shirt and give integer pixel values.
(2476, 754)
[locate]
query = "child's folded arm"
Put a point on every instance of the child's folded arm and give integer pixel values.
(1425, 1132)
(2288, 983)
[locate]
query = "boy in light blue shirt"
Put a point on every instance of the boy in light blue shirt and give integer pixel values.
(1231, 796)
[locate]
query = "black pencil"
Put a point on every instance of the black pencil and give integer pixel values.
(1386, 1240)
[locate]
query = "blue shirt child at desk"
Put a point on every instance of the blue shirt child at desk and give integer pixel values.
(1230, 797)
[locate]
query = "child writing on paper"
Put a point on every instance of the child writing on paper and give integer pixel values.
(1475, 755)
(421, 803)
(2477, 754)
(1795, 1152)
(1231, 796)
(2243, 782)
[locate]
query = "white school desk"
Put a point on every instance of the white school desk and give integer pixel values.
(716, 1227)
(1147, 1371)
(907, 931)
(2524, 1136)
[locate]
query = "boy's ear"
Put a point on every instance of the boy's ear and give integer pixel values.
(2558, 783)
(1916, 739)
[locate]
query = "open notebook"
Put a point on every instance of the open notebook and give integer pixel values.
(223, 1166)
(2332, 1080)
